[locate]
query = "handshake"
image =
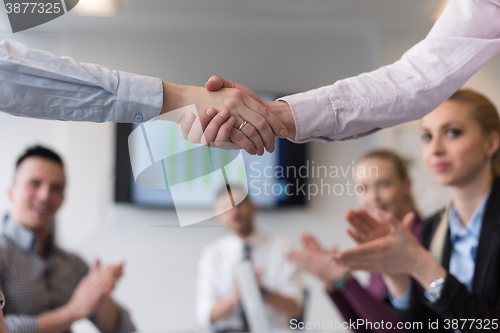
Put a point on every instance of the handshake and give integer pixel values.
(230, 116)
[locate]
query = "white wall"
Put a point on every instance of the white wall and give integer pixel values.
(158, 286)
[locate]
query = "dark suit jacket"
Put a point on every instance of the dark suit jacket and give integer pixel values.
(483, 303)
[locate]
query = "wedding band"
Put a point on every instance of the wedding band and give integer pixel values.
(363, 236)
(242, 125)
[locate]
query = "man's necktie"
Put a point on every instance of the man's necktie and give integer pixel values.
(247, 256)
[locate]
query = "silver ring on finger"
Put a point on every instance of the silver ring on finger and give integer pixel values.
(242, 125)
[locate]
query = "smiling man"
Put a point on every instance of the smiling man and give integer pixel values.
(48, 289)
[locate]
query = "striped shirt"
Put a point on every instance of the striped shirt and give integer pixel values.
(33, 285)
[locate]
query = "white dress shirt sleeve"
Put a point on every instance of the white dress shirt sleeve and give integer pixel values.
(38, 84)
(290, 277)
(463, 39)
(205, 293)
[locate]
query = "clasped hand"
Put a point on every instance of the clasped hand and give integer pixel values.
(242, 120)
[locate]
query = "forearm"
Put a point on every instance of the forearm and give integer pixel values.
(397, 285)
(461, 42)
(107, 316)
(223, 307)
(174, 97)
(426, 269)
(56, 321)
(283, 112)
(38, 84)
(284, 304)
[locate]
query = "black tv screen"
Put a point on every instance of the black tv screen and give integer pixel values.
(272, 179)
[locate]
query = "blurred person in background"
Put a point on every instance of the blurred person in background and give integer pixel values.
(48, 289)
(387, 186)
(218, 304)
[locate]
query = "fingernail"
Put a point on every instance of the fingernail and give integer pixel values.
(230, 120)
(211, 112)
(284, 134)
(254, 152)
(224, 113)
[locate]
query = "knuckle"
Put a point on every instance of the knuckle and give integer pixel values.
(261, 124)
(231, 104)
(252, 132)
(237, 136)
(263, 112)
(236, 93)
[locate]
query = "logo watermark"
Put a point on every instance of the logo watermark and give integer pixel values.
(25, 15)
(326, 179)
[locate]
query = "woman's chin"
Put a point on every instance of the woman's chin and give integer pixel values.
(445, 179)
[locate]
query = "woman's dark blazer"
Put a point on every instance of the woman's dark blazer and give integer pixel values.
(483, 303)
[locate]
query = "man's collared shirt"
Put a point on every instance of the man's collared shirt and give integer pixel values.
(216, 276)
(33, 285)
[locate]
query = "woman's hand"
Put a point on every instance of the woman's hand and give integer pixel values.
(366, 227)
(399, 252)
(316, 260)
(394, 253)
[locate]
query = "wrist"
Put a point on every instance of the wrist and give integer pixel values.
(338, 283)
(70, 314)
(427, 269)
(282, 111)
(234, 299)
(174, 97)
(397, 284)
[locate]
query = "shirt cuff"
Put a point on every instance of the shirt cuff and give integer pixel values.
(21, 323)
(429, 297)
(139, 98)
(402, 302)
(309, 123)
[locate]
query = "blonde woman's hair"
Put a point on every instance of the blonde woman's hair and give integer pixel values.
(484, 112)
(400, 166)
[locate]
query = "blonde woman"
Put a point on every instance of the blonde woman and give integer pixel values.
(452, 280)
(387, 186)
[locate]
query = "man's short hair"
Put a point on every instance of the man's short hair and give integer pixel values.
(42, 152)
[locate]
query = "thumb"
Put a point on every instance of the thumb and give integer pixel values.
(97, 263)
(216, 82)
(409, 221)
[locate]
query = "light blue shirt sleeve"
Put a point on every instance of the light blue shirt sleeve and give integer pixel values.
(38, 84)
(402, 302)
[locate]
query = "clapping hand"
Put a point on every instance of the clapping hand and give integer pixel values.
(317, 260)
(366, 226)
(392, 253)
(94, 289)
